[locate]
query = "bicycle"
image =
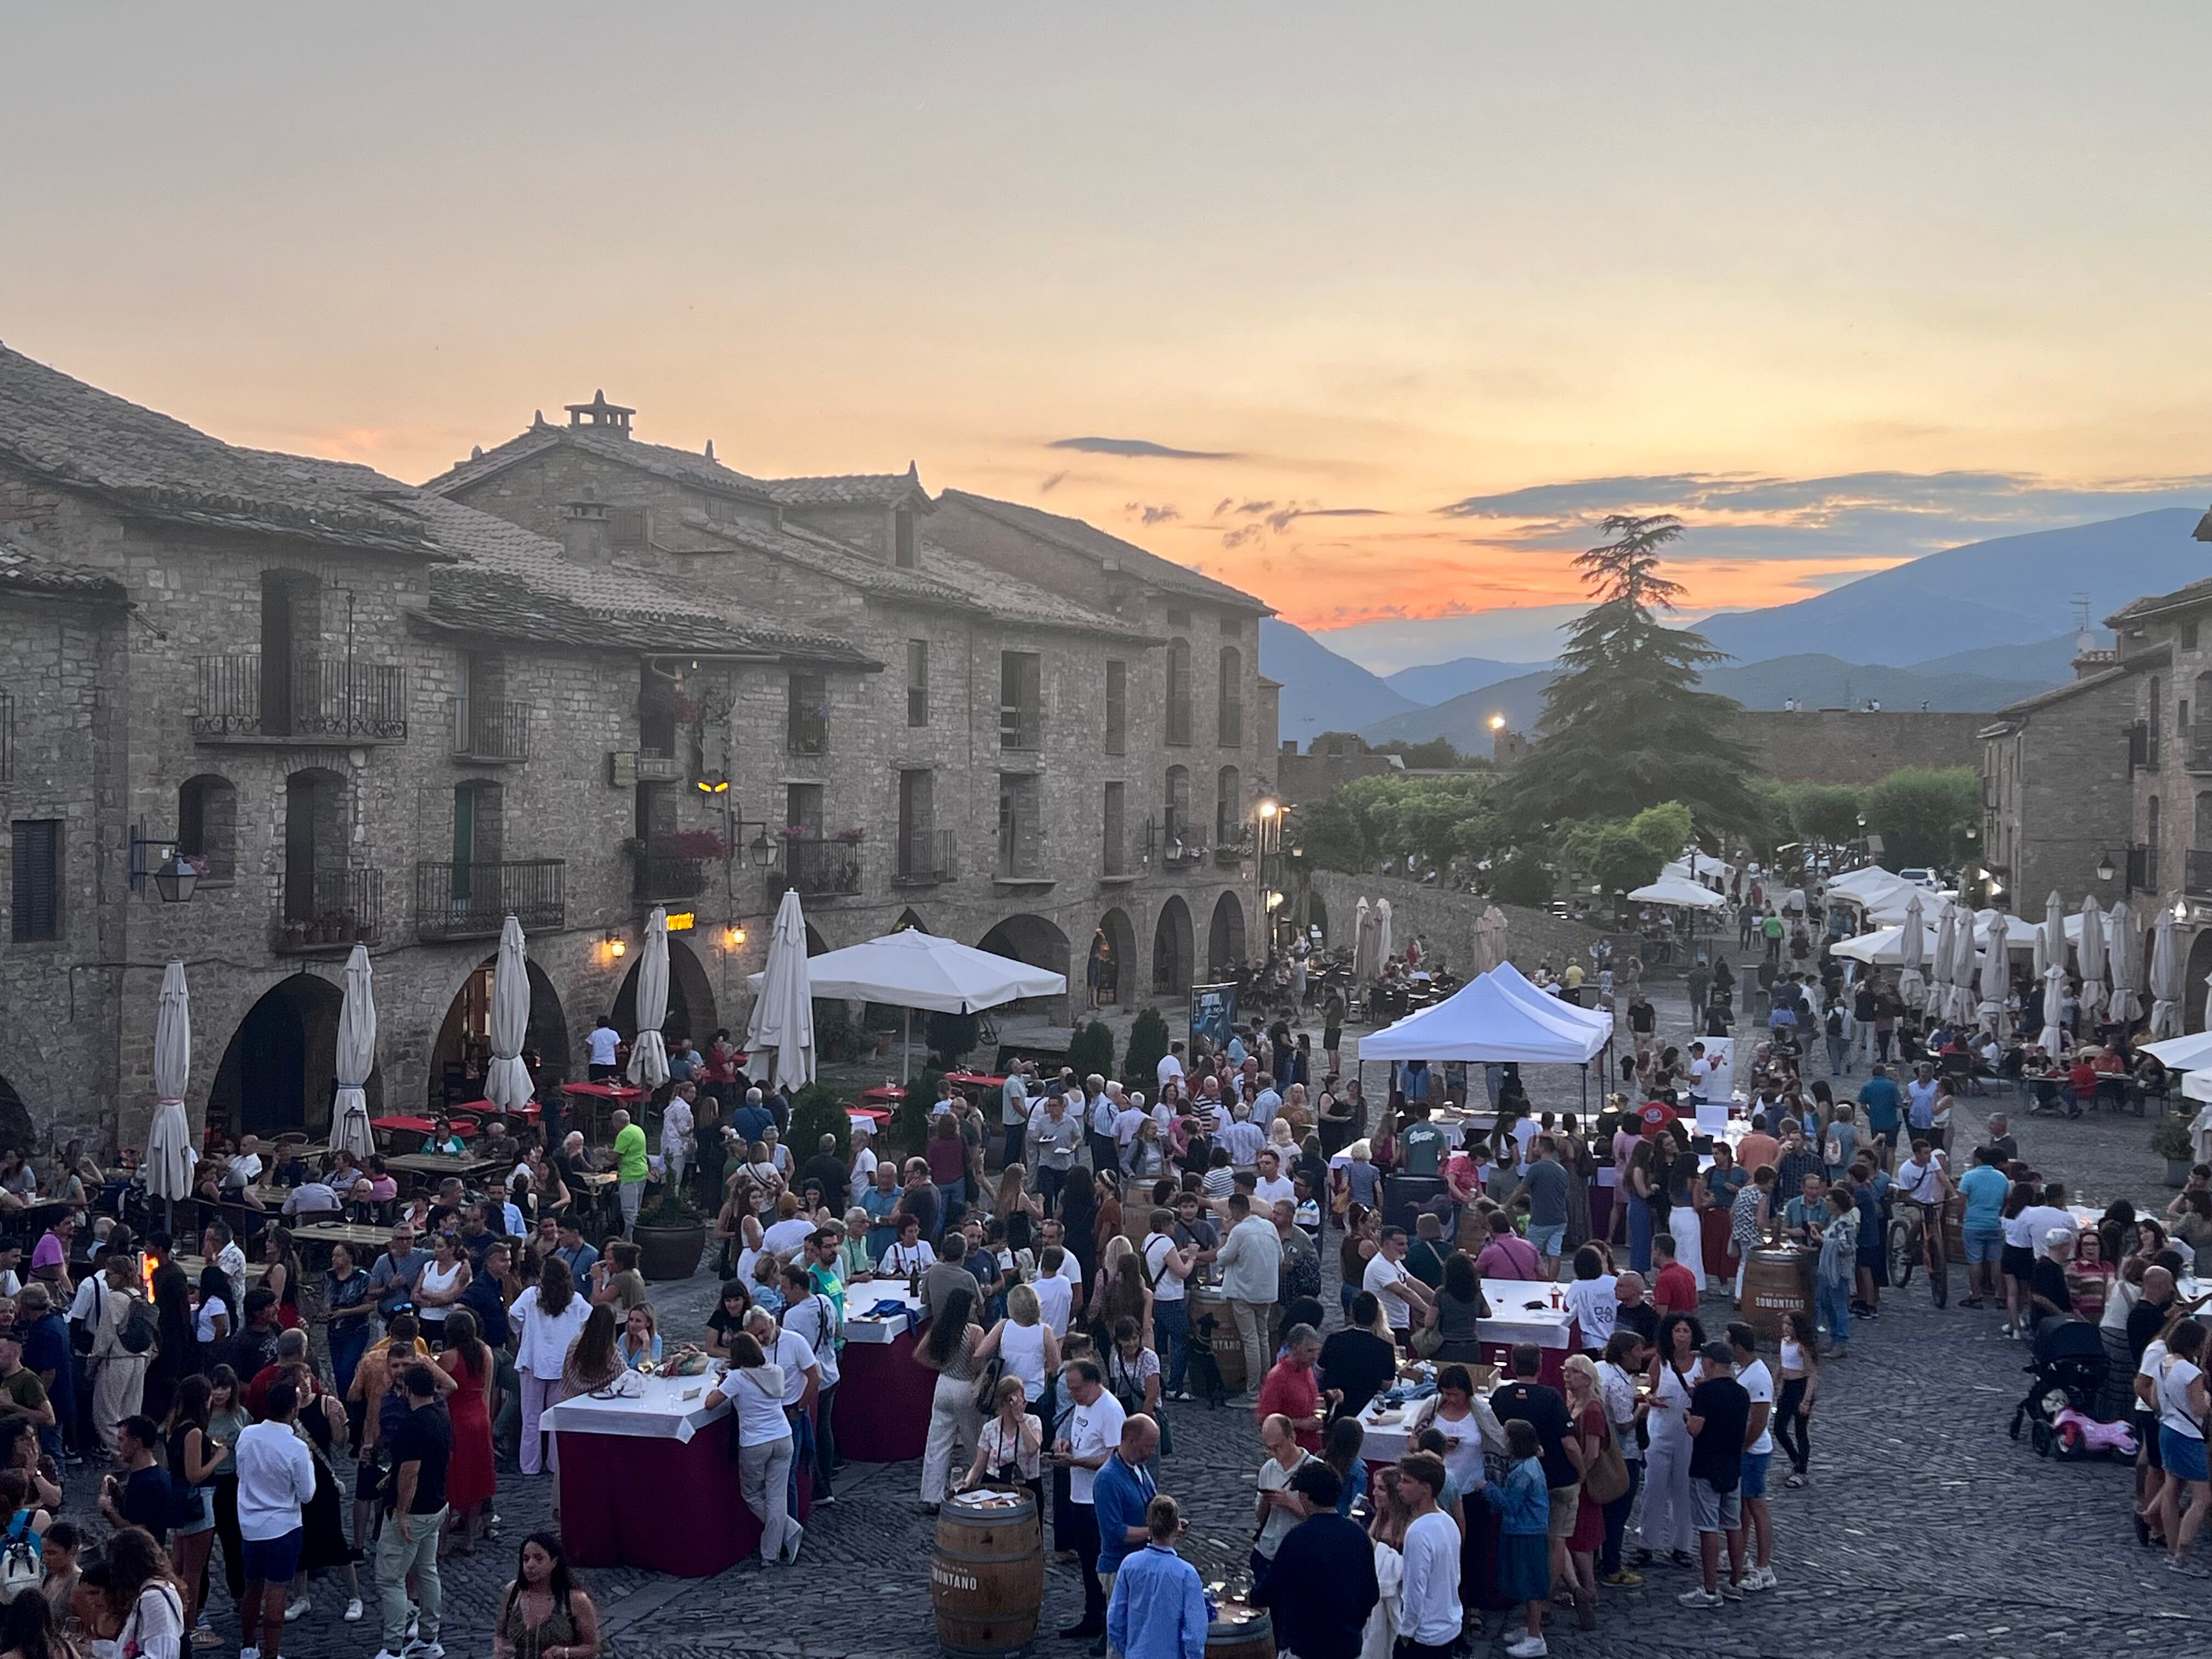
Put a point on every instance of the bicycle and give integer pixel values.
(1914, 1242)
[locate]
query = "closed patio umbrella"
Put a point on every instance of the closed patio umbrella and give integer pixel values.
(649, 1055)
(783, 1013)
(2091, 950)
(170, 1159)
(1494, 927)
(1364, 966)
(2053, 1035)
(1939, 965)
(356, 1059)
(1912, 945)
(2050, 941)
(506, 1085)
(1385, 944)
(1996, 978)
(2122, 1005)
(2165, 990)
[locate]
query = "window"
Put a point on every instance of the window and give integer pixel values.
(291, 632)
(1117, 707)
(1232, 624)
(1230, 709)
(1178, 616)
(38, 885)
(1021, 700)
(1178, 732)
(1115, 816)
(802, 810)
(1176, 817)
(630, 527)
(807, 716)
(314, 844)
(903, 543)
(1228, 806)
(917, 848)
(1021, 824)
(917, 682)
(207, 825)
(2188, 636)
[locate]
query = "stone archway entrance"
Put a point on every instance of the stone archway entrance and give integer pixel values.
(281, 1066)
(1040, 943)
(1225, 937)
(463, 1046)
(17, 1132)
(691, 997)
(1173, 948)
(1113, 959)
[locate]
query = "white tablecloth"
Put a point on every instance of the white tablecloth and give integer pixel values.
(866, 1294)
(670, 1408)
(1510, 1321)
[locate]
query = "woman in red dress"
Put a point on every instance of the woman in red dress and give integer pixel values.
(470, 1479)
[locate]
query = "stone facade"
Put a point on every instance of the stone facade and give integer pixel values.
(2054, 790)
(477, 719)
(1329, 762)
(1445, 920)
(1854, 745)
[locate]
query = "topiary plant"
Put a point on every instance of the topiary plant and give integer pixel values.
(951, 1038)
(1090, 1050)
(1148, 1042)
(818, 1111)
(910, 1122)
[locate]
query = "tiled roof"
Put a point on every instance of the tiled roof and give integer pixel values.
(852, 489)
(1015, 600)
(1094, 544)
(826, 556)
(85, 439)
(2059, 694)
(25, 567)
(679, 465)
(2196, 592)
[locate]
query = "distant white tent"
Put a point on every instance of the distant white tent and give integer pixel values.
(1485, 1021)
(1679, 891)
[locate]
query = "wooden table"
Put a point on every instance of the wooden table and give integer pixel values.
(342, 1232)
(436, 1166)
(194, 1265)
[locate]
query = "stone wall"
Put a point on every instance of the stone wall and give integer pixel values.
(1834, 745)
(1445, 920)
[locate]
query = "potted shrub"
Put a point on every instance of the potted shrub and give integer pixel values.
(671, 1237)
(2170, 1140)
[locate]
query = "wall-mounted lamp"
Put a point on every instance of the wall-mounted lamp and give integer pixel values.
(616, 948)
(733, 938)
(156, 860)
(2106, 868)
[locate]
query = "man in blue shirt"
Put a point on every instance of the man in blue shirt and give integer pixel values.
(1879, 1097)
(1122, 1491)
(1986, 1187)
(1322, 1586)
(752, 1121)
(1158, 1606)
(391, 1280)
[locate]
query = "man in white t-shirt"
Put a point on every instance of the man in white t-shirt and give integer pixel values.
(1273, 1186)
(1126, 1122)
(600, 1043)
(1429, 1615)
(864, 1164)
(2040, 1220)
(1055, 1295)
(1093, 1431)
(1398, 1291)
(1758, 1382)
(1171, 1065)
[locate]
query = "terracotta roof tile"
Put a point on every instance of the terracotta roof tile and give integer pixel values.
(852, 489)
(1094, 544)
(28, 567)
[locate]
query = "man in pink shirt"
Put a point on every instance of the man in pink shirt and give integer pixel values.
(1508, 1255)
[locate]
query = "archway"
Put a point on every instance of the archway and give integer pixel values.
(816, 945)
(281, 1066)
(1225, 937)
(910, 917)
(462, 1050)
(1172, 947)
(2193, 981)
(1316, 910)
(1040, 943)
(17, 1132)
(1113, 948)
(690, 996)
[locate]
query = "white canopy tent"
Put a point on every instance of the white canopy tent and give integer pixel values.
(1483, 1021)
(1883, 948)
(1677, 891)
(1517, 984)
(913, 970)
(2192, 1053)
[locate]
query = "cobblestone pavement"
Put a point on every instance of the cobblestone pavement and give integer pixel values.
(1926, 1529)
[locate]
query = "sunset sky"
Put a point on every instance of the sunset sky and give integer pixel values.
(1370, 310)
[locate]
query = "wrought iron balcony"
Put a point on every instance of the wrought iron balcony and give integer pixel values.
(241, 699)
(806, 732)
(331, 909)
(817, 868)
(471, 901)
(925, 856)
(490, 730)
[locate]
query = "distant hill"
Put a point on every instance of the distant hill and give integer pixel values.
(1322, 691)
(2049, 661)
(1983, 594)
(1436, 682)
(1466, 719)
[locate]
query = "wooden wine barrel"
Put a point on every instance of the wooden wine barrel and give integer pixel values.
(1955, 1229)
(1778, 1279)
(986, 1574)
(1240, 1634)
(1228, 1346)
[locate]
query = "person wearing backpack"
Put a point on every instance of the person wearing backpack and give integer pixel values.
(20, 1568)
(126, 1332)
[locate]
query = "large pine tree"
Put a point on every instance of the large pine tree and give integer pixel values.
(1624, 726)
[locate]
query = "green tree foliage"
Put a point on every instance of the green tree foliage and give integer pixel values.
(1772, 825)
(910, 1126)
(1522, 879)
(1610, 851)
(1430, 821)
(818, 1111)
(1335, 834)
(1148, 1041)
(1437, 754)
(1824, 812)
(1920, 813)
(1090, 1050)
(1623, 725)
(1665, 829)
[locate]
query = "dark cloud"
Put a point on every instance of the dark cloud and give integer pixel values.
(1140, 448)
(1150, 515)
(1051, 483)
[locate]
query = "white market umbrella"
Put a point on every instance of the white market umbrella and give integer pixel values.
(2091, 948)
(2196, 1088)
(648, 1053)
(1362, 942)
(1385, 944)
(356, 1059)
(1883, 948)
(1676, 890)
(506, 1085)
(1912, 951)
(1996, 978)
(1965, 975)
(2053, 1035)
(169, 1156)
(783, 1013)
(2123, 1004)
(2050, 939)
(1939, 964)
(2165, 987)
(1493, 918)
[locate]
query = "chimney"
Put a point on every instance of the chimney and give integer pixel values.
(2089, 657)
(610, 420)
(586, 535)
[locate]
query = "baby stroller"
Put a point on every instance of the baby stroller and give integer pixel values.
(2068, 1373)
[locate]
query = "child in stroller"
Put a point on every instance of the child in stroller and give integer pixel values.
(2068, 1372)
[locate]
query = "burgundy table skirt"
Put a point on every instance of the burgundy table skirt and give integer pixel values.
(1600, 1202)
(881, 1411)
(1552, 1372)
(668, 1505)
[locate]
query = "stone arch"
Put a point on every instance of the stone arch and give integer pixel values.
(2193, 981)
(816, 945)
(1114, 950)
(691, 994)
(1038, 941)
(1316, 910)
(280, 1067)
(463, 1044)
(17, 1132)
(1225, 936)
(1172, 948)
(910, 917)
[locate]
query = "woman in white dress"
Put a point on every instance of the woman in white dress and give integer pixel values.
(1387, 1529)
(1666, 1524)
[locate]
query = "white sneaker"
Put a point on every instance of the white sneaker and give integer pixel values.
(414, 1625)
(249, 1653)
(294, 1611)
(1759, 1578)
(1529, 1647)
(1700, 1597)
(353, 1611)
(386, 1653)
(426, 1650)
(1731, 1589)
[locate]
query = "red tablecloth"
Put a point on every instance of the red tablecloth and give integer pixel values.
(604, 1090)
(975, 1079)
(883, 1094)
(882, 1409)
(668, 1505)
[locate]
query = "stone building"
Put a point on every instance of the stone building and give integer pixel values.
(365, 712)
(2056, 787)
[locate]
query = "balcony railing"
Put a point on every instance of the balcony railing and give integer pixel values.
(471, 901)
(659, 877)
(924, 856)
(1021, 725)
(490, 729)
(331, 909)
(817, 868)
(806, 732)
(1232, 849)
(2199, 874)
(362, 702)
(1021, 851)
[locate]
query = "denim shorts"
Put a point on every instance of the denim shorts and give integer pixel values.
(2183, 1455)
(1751, 1483)
(1984, 1246)
(1548, 1239)
(1715, 1511)
(273, 1560)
